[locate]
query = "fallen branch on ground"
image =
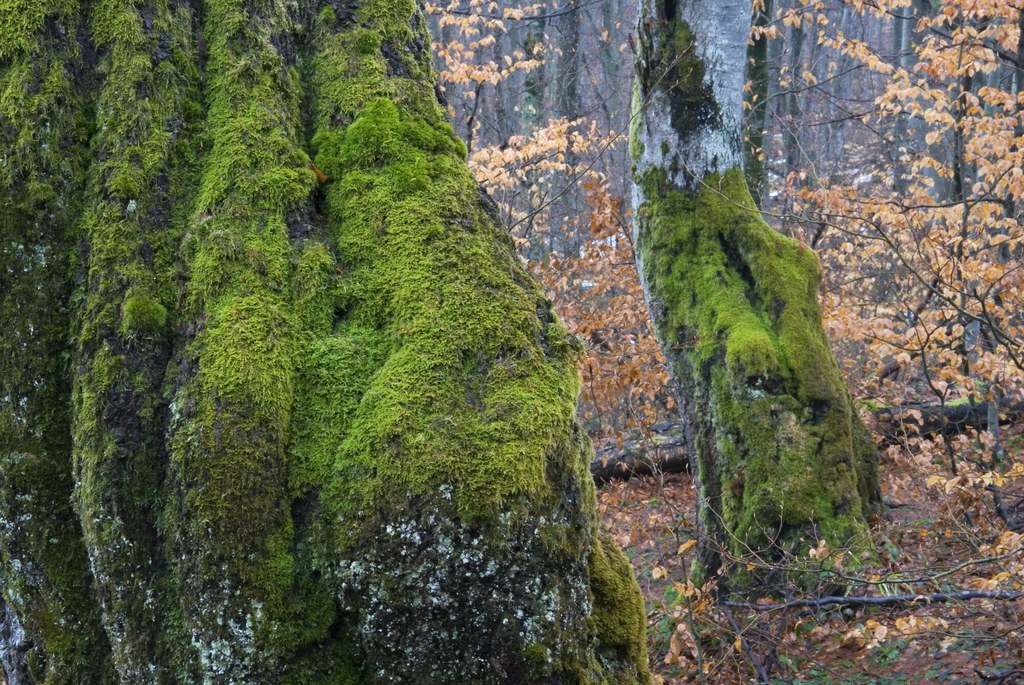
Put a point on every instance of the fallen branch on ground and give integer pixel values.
(998, 676)
(884, 600)
(663, 450)
(915, 420)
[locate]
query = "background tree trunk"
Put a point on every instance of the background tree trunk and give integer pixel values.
(780, 454)
(258, 429)
(755, 154)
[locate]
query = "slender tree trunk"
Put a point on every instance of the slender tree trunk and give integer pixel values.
(909, 132)
(278, 404)
(780, 454)
(565, 63)
(792, 115)
(903, 56)
(757, 118)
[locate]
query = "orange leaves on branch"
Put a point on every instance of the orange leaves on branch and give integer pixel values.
(541, 153)
(598, 293)
(925, 271)
(478, 27)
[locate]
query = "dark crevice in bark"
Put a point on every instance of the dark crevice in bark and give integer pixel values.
(668, 10)
(735, 261)
(395, 66)
(345, 11)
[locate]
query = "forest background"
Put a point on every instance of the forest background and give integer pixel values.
(889, 137)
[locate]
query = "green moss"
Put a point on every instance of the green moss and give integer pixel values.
(618, 607)
(44, 572)
(232, 414)
(400, 179)
(636, 146)
(742, 318)
(327, 17)
(318, 291)
(44, 128)
(443, 399)
(41, 163)
(145, 153)
(140, 315)
(355, 408)
(335, 373)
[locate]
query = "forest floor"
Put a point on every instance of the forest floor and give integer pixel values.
(940, 534)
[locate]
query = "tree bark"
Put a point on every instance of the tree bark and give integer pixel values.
(779, 453)
(259, 429)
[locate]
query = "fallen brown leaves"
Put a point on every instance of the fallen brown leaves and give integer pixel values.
(935, 541)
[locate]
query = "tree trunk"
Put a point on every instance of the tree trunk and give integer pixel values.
(757, 100)
(565, 238)
(780, 454)
(792, 105)
(259, 429)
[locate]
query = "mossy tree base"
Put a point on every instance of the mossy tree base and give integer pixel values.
(259, 429)
(781, 458)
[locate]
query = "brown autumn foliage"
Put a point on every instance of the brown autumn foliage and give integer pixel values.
(626, 383)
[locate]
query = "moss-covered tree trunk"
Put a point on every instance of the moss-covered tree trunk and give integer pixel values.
(260, 428)
(779, 452)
